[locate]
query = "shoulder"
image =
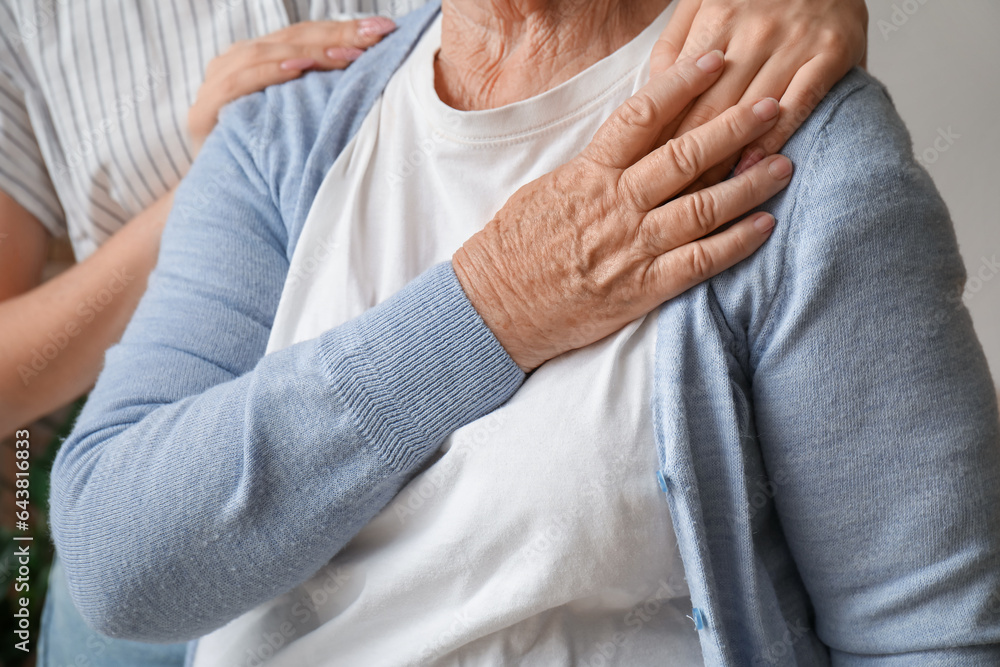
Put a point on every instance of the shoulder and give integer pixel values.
(857, 172)
(853, 154)
(857, 105)
(860, 195)
(860, 211)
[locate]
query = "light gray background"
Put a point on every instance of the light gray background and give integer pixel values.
(940, 60)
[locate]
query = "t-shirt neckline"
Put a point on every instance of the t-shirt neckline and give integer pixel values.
(536, 114)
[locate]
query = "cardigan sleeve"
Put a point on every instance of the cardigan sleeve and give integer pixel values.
(204, 478)
(873, 397)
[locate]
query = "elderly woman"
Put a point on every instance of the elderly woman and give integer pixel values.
(489, 443)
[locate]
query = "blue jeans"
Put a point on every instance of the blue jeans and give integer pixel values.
(66, 640)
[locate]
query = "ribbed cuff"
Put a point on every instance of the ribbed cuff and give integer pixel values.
(417, 367)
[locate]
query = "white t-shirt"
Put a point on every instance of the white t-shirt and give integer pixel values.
(539, 535)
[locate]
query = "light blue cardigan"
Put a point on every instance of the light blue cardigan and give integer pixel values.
(826, 423)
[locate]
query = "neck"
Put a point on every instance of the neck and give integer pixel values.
(497, 52)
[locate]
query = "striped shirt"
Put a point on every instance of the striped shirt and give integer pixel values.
(94, 97)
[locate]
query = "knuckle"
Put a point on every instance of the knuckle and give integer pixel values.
(690, 77)
(684, 153)
(648, 234)
(718, 19)
(702, 209)
(655, 235)
(700, 262)
(804, 97)
(835, 42)
(256, 50)
(768, 29)
(639, 112)
(798, 33)
(294, 31)
(630, 191)
(347, 31)
(737, 123)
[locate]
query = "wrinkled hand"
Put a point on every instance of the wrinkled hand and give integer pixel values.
(577, 254)
(253, 65)
(792, 50)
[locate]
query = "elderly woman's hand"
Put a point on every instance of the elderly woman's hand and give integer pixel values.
(791, 50)
(254, 64)
(589, 247)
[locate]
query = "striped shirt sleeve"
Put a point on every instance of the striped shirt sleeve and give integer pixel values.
(23, 174)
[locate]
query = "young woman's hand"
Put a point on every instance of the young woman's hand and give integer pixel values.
(255, 64)
(575, 255)
(791, 50)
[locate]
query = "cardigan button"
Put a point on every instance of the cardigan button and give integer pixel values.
(663, 482)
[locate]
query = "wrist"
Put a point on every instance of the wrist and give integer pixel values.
(483, 291)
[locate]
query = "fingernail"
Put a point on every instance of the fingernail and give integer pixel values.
(711, 62)
(766, 109)
(376, 26)
(749, 160)
(349, 54)
(780, 167)
(298, 64)
(763, 223)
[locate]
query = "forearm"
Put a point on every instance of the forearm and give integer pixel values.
(158, 503)
(53, 337)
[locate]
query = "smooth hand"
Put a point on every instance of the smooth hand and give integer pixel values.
(253, 65)
(792, 50)
(577, 254)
